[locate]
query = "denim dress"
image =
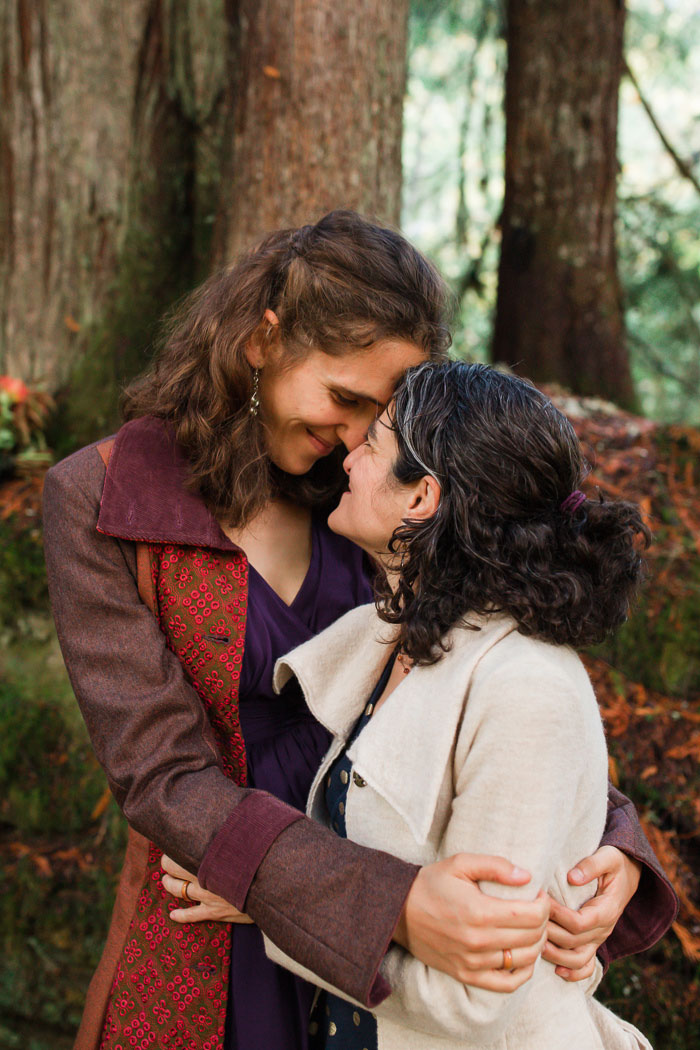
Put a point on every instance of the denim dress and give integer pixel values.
(335, 1023)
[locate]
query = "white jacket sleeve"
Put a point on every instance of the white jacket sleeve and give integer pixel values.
(520, 758)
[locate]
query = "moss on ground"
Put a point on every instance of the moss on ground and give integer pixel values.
(60, 850)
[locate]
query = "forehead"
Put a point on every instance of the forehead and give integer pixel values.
(371, 374)
(381, 433)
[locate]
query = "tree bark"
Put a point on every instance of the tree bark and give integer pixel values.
(559, 311)
(316, 118)
(67, 71)
(105, 113)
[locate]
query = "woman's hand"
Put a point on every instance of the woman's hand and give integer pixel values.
(206, 906)
(449, 923)
(573, 937)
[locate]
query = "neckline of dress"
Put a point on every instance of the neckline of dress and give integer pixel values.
(315, 552)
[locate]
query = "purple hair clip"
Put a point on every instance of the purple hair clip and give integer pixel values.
(572, 502)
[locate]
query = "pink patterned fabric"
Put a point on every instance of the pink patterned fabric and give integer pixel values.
(170, 985)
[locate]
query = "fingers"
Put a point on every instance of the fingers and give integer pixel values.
(449, 923)
(197, 913)
(605, 860)
(566, 925)
(572, 960)
(206, 906)
(501, 980)
(171, 867)
(174, 886)
(209, 913)
(521, 958)
(527, 916)
(570, 929)
(467, 966)
(576, 975)
(478, 867)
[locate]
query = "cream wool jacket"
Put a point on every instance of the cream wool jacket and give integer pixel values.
(498, 748)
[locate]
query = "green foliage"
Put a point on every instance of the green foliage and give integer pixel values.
(33, 797)
(658, 992)
(667, 658)
(54, 929)
(453, 182)
(23, 587)
(660, 266)
(24, 414)
(60, 860)
(659, 645)
(8, 439)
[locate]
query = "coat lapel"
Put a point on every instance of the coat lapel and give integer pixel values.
(339, 668)
(146, 496)
(405, 749)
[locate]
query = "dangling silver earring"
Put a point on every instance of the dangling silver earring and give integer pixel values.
(254, 397)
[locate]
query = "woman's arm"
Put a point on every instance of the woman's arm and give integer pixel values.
(153, 739)
(634, 905)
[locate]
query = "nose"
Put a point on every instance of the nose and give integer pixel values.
(350, 459)
(354, 431)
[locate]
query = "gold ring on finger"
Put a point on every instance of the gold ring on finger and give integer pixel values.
(184, 892)
(507, 959)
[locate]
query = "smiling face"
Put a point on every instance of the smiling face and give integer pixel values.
(322, 401)
(376, 503)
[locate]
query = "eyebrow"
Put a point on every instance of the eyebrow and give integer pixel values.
(372, 430)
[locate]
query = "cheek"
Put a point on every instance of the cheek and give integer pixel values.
(382, 506)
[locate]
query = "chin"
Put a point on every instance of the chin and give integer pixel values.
(297, 470)
(297, 467)
(335, 522)
(338, 523)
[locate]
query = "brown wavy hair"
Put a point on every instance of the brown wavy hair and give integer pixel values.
(338, 286)
(506, 460)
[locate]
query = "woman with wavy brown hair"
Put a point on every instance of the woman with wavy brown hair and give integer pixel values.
(185, 556)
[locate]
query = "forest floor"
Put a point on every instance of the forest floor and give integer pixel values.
(61, 838)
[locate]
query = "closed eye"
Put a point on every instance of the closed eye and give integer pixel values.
(342, 400)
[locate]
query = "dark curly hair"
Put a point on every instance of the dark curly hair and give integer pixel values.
(506, 460)
(338, 286)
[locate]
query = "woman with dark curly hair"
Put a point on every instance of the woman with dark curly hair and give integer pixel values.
(462, 718)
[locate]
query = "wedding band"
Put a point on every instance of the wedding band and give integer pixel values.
(186, 897)
(507, 959)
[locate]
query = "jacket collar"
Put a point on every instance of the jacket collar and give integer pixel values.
(145, 495)
(404, 749)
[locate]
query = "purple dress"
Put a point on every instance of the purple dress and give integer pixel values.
(267, 1006)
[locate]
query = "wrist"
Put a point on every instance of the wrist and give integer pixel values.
(400, 934)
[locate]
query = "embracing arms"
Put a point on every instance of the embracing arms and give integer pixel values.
(529, 780)
(153, 739)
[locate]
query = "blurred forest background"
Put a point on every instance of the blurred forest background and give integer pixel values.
(546, 155)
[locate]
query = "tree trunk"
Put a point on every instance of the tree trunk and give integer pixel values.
(317, 118)
(104, 111)
(559, 313)
(67, 87)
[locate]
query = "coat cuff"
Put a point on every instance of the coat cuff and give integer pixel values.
(646, 918)
(239, 847)
(654, 906)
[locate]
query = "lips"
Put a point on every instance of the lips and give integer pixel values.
(324, 447)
